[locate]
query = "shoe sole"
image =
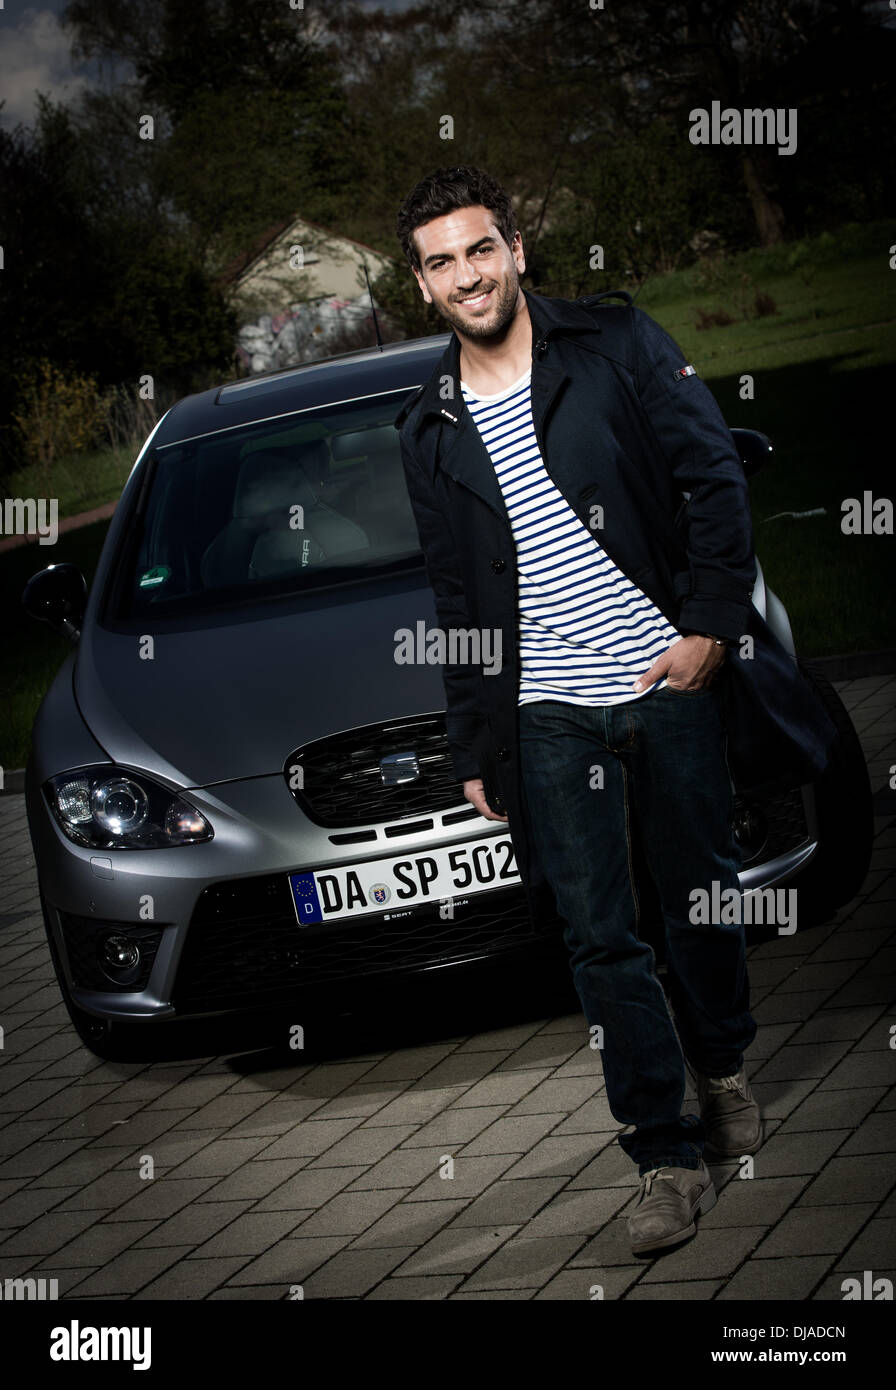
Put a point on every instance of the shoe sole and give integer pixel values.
(706, 1203)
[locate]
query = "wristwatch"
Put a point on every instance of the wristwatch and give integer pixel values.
(719, 641)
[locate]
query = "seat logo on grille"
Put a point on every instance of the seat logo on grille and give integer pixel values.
(396, 768)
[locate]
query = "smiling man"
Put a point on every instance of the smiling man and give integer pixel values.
(546, 461)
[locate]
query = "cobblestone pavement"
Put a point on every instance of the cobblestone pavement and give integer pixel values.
(327, 1175)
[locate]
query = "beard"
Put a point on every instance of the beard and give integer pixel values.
(495, 319)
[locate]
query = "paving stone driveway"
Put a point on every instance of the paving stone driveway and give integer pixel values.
(328, 1175)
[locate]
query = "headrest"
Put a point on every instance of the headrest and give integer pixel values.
(271, 482)
(379, 440)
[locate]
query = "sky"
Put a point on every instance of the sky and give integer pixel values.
(35, 55)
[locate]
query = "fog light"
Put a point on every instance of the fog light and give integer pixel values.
(120, 953)
(750, 829)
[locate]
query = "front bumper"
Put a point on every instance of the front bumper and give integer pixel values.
(212, 943)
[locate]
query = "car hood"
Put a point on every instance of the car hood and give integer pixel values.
(236, 698)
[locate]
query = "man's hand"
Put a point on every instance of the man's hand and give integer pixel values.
(689, 664)
(474, 793)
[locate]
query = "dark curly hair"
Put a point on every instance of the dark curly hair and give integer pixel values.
(445, 191)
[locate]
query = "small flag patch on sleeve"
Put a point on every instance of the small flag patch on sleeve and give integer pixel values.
(684, 371)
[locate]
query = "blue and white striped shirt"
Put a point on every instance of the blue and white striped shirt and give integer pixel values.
(586, 631)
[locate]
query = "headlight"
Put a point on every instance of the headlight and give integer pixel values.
(111, 808)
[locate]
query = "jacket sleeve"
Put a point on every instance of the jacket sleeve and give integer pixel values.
(465, 719)
(691, 432)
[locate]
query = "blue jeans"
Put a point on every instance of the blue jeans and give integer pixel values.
(662, 762)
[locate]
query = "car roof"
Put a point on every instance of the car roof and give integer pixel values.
(399, 367)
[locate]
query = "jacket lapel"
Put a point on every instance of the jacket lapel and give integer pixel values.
(546, 383)
(464, 457)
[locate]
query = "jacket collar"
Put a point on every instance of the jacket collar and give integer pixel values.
(459, 449)
(548, 316)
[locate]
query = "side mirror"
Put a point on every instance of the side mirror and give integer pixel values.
(58, 596)
(753, 449)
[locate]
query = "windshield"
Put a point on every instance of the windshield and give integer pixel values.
(291, 504)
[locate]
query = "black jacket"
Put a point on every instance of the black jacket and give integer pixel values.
(623, 435)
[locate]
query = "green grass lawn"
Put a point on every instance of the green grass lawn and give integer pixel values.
(823, 370)
(79, 482)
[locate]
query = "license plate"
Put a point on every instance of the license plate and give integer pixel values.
(406, 880)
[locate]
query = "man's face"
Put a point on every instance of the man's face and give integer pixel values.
(469, 272)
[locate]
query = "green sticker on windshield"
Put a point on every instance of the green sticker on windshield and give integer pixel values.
(155, 576)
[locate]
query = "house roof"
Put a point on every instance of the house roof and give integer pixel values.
(236, 268)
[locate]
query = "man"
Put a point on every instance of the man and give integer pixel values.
(546, 461)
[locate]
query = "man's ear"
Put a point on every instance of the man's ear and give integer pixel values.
(422, 283)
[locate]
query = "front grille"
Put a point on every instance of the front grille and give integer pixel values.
(245, 947)
(83, 936)
(340, 776)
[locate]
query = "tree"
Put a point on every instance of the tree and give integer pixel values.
(98, 277)
(629, 64)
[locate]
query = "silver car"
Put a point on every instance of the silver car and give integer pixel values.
(239, 793)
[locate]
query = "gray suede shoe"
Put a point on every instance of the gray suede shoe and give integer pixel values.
(730, 1114)
(669, 1200)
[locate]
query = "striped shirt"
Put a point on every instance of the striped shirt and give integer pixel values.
(586, 631)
